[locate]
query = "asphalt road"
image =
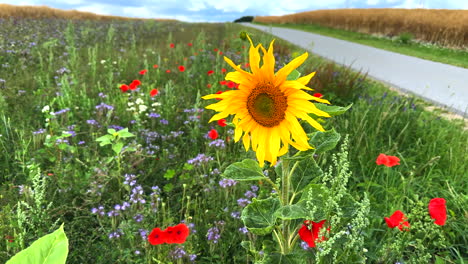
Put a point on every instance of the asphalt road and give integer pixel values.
(442, 84)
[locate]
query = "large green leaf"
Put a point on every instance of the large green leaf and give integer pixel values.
(294, 211)
(305, 170)
(333, 110)
(246, 170)
(49, 249)
(324, 141)
(259, 216)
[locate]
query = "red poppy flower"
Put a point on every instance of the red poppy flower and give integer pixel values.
(136, 82)
(190, 44)
(311, 235)
(319, 95)
(124, 88)
(220, 53)
(157, 237)
(172, 45)
(222, 122)
(154, 92)
(222, 82)
(215, 50)
(208, 85)
(213, 134)
(210, 72)
(223, 70)
(397, 219)
(143, 72)
(231, 84)
(388, 161)
(247, 65)
(168, 71)
(438, 211)
(181, 68)
(155, 66)
(177, 234)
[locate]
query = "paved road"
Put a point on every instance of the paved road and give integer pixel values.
(439, 83)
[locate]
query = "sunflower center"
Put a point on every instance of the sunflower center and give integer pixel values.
(267, 105)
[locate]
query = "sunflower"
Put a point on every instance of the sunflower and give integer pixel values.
(266, 106)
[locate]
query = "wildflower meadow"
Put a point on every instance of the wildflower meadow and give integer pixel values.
(139, 141)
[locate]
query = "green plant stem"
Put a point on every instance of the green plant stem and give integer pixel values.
(285, 201)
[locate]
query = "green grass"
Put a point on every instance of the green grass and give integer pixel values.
(77, 67)
(454, 57)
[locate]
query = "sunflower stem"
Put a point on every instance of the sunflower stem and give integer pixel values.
(285, 201)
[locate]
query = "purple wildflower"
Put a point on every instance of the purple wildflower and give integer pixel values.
(103, 106)
(227, 183)
(200, 159)
(242, 202)
(62, 111)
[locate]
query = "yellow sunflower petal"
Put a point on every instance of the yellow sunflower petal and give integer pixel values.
(246, 141)
(254, 56)
(286, 70)
(306, 79)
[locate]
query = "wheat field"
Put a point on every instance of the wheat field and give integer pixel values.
(38, 12)
(439, 26)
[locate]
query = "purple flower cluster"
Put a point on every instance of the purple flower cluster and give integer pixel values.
(193, 110)
(130, 179)
(154, 115)
(143, 233)
(103, 106)
(178, 252)
(200, 159)
(227, 183)
(116, 234)
(63, 111)
(214, 233)
(219, 143)
(236, 215)
(40, 131)
(243, 230)
(242, 202)
(92, 122)
(137, 195)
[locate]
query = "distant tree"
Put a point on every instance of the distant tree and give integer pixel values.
(244, 19)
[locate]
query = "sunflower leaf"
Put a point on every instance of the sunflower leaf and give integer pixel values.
(324, 141)
(246, 170)
(333, 110)
(305, 171)
(292, 211)
(259, 216)
(49, 249)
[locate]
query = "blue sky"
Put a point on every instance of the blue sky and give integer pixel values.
(226, 10)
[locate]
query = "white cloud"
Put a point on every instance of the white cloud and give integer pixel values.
(372, 2)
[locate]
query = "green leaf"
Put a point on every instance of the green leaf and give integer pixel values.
(111, 131)
(169, 174)
(117, 147)
(294, 211)
(333, 110)
(259, 216)
(305, 170)
(294, 75)
(247, 170)
(49, 249)
(324, 141)
(247, 245)
(125, 134)
(168, 187)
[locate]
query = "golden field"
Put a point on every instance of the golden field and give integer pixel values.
(35, 12)
(439, 26)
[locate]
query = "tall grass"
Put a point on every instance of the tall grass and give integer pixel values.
(438, 26)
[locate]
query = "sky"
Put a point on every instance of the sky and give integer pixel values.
(226, 10)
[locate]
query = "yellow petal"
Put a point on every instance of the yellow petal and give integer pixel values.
(246, 141)
(286, 70)
(306, 79)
